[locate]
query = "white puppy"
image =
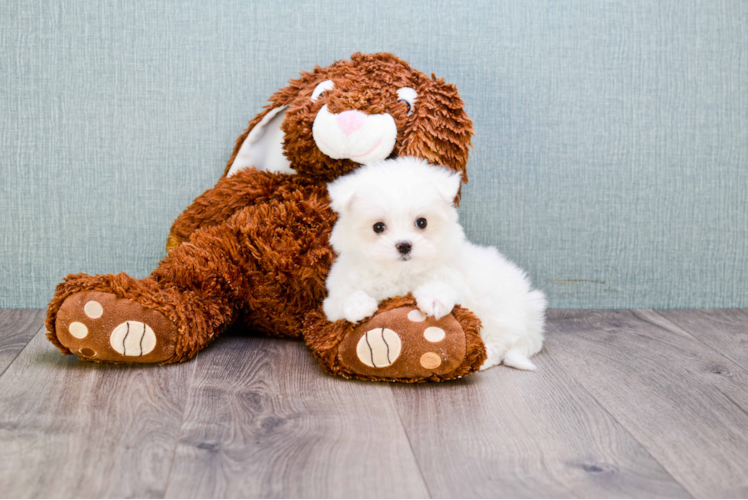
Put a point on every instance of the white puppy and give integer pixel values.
(398, 232)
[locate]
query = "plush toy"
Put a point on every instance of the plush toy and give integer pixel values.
(254, 248)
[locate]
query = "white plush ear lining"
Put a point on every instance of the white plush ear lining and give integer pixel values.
(263, 147)
(342, 192)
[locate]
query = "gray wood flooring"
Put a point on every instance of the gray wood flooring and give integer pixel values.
(624, 404)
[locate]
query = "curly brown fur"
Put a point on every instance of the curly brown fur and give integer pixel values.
(269, 260)
(231, 194)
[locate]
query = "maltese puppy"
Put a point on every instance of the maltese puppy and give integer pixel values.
(398, 232)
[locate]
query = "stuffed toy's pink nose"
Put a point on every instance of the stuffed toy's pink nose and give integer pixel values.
(350, 121)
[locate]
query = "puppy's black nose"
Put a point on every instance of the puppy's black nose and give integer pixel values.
(403, 247)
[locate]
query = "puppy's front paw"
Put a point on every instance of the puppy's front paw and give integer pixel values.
(434, 306)
(358, 306)
(435, 299)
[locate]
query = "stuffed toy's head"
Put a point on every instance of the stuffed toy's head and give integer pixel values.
(357, 112)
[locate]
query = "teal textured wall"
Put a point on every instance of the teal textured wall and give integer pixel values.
(611, 157)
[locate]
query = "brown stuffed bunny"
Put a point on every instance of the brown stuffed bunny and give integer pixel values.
(255, 247)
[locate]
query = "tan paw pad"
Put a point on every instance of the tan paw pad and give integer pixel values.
(379, 348)
(434, 334)
(416, 316)
(93, 309)
(78, 330)
(431, 360)
(133, 338)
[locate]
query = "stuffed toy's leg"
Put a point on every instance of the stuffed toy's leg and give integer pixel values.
(167, 317)
(232, 194)
(267, 263)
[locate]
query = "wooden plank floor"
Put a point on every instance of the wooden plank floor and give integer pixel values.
(624, 404)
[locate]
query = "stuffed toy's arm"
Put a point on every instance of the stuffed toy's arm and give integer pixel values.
(218, 204)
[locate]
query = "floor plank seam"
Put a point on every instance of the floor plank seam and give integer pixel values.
(181, 424)
(410, 444)
(623, 426)
(692, 335)
(41, 330)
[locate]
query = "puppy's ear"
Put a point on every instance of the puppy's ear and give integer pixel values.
(342, 192)
(448, 184)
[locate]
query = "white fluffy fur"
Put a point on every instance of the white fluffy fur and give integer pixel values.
(442, 269)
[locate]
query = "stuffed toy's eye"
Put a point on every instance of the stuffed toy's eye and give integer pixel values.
(321, 89)
(421, 223)
(379, 227)
(408, 96)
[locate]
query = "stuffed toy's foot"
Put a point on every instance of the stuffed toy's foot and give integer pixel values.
(98, 326)
(113, 318)
(399, 344)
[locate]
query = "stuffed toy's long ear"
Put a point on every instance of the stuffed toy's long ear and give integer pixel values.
(342, 192)
(262, 147)
(442, 133)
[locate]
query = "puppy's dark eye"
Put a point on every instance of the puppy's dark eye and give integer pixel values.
(421, 223)
(379, 227)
